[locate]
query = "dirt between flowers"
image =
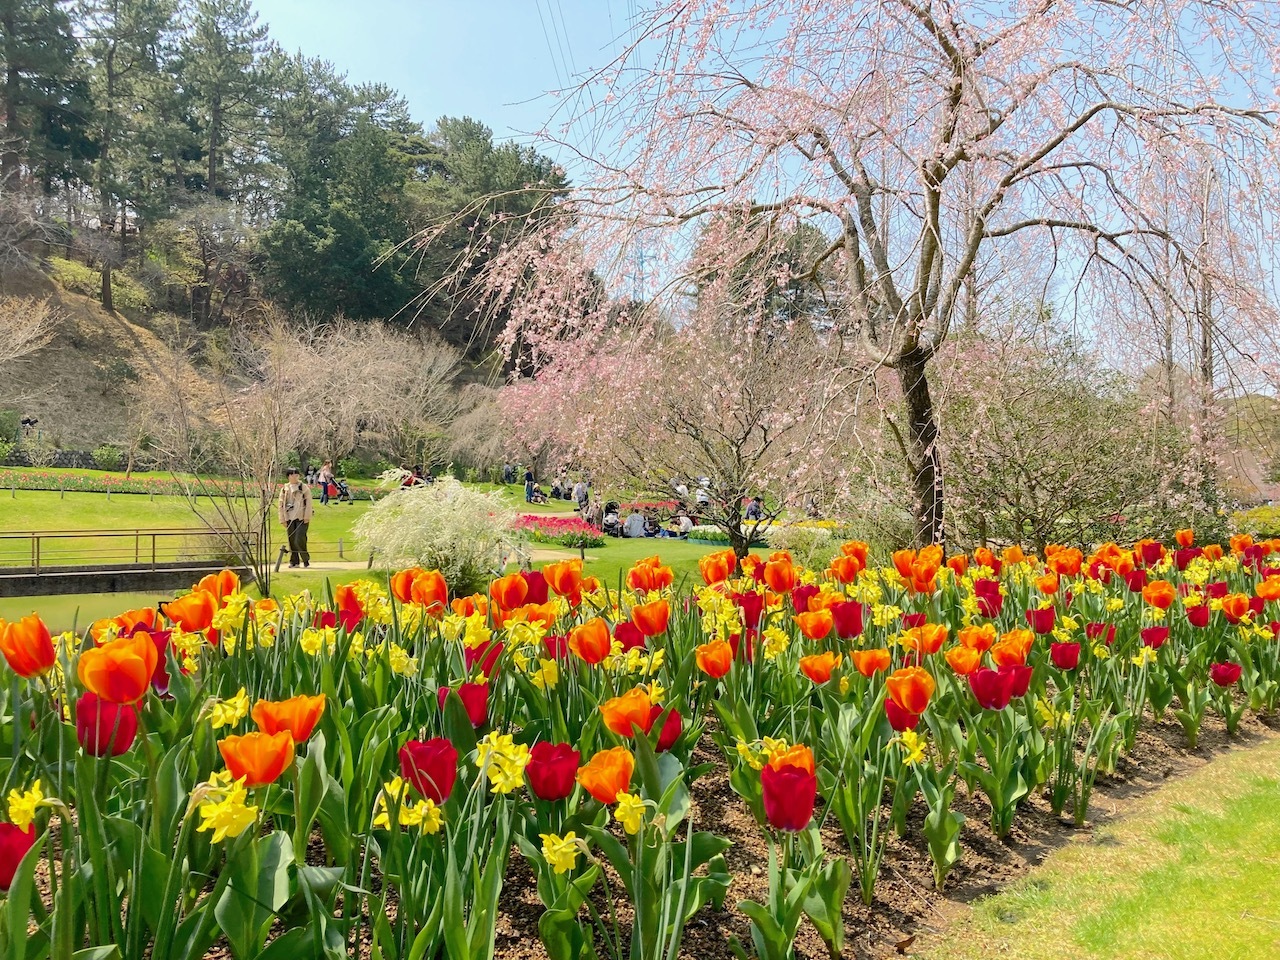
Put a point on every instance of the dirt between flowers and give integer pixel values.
(905, 905)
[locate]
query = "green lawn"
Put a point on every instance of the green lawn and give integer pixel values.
(1190, 874)
(28, 510)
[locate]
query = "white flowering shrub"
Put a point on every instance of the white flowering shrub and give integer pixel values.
(810, 546)
(464, 533)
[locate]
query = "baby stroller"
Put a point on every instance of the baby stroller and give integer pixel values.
(611, 525)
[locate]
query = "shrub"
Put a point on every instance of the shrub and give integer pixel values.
(1260, 521)
(810, 546)
(10, 420)
(444, 525)
(126, 293)
(108, 457)
(6, 450)
(708, 534)
(38, 451)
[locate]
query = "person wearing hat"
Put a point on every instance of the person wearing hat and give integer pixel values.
(295, 516)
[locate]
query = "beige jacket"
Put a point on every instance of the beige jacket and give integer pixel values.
(295, 503)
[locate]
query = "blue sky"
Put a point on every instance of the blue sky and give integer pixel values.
(493, 60)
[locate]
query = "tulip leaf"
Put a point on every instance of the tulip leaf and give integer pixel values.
(18, 904)
(312, 783)
(824, 901)
(260, 884)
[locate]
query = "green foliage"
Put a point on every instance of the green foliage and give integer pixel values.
(10, 421)
(72, 275)
(1260, 521)
(108, 457)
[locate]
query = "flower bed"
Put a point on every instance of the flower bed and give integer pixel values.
(406, 743)
(563, 531)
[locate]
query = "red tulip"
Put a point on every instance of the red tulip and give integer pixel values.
(1041, 620)
(1021, 678)
(993, 689)
(1135, 580)
(1225, 674)
(629, 635)
(900, 719)
(848, 619)
(1105, 631)
(1065, 656)
(348, 607)
(431, 766)
(801, 595)
(1199, 616)
(103, 727)
(537, 586)
(14, 844)
(557, 646)
(552, 770)
(672, 727)
(475, 697)
(790, 788)
(987, 593)
(484, 656)
(1154, 637)
(912, 620)
(752, 607)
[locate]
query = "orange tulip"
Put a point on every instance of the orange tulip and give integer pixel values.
(121, 669)
(983, 557)
(926, 638)
(607, 774)
(856, 549)
(714, 658)
(924, 575)
(258, 757)
(296, 716)
(1013, 648)
(1235, 606)
(794, 756)
(591, 640)
(1064, 561)
(978, 637)
(780, 574)
(1159, 593)
(402, 583)
(221, 584)
(1213, 551)
(717, 567)
(815, 624)
(1184, 538)
(649, 575)
(871, 662)
(651, 619)
(910, 688)
(1269, 589)
(1241, 542)
(819, 666)
(193, 612)
(565, 578)
(633, 709)
(959, 564)
(1047, 583)
(964, 660)
(27, 646)
(902, 561)
(931, 554)
(844, 568)
(125, 623)
(470, 606)
(509, 592)
(1012, 554)
(430, 590)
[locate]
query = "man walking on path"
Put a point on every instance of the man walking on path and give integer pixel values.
(295, 516)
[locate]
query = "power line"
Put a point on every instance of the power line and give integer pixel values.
(551, 50)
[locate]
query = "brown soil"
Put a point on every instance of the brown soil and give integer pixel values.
(905, 903)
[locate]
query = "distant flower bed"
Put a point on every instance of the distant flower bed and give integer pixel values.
(649, 506)
(563, 531)
(76, 482)
(705, 533)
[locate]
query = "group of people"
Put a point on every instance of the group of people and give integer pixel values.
(578, 491)
(332, 487)
(644, 524)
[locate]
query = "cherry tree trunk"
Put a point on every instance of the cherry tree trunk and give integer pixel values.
(924, 459)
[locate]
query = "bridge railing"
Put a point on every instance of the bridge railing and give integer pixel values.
(149, 548)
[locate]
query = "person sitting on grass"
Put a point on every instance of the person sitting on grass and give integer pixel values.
(679, 527)
(634, 525)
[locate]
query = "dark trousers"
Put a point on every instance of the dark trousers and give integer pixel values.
(297, 531)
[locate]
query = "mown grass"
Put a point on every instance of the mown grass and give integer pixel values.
(1193, 873)
(27, 510)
